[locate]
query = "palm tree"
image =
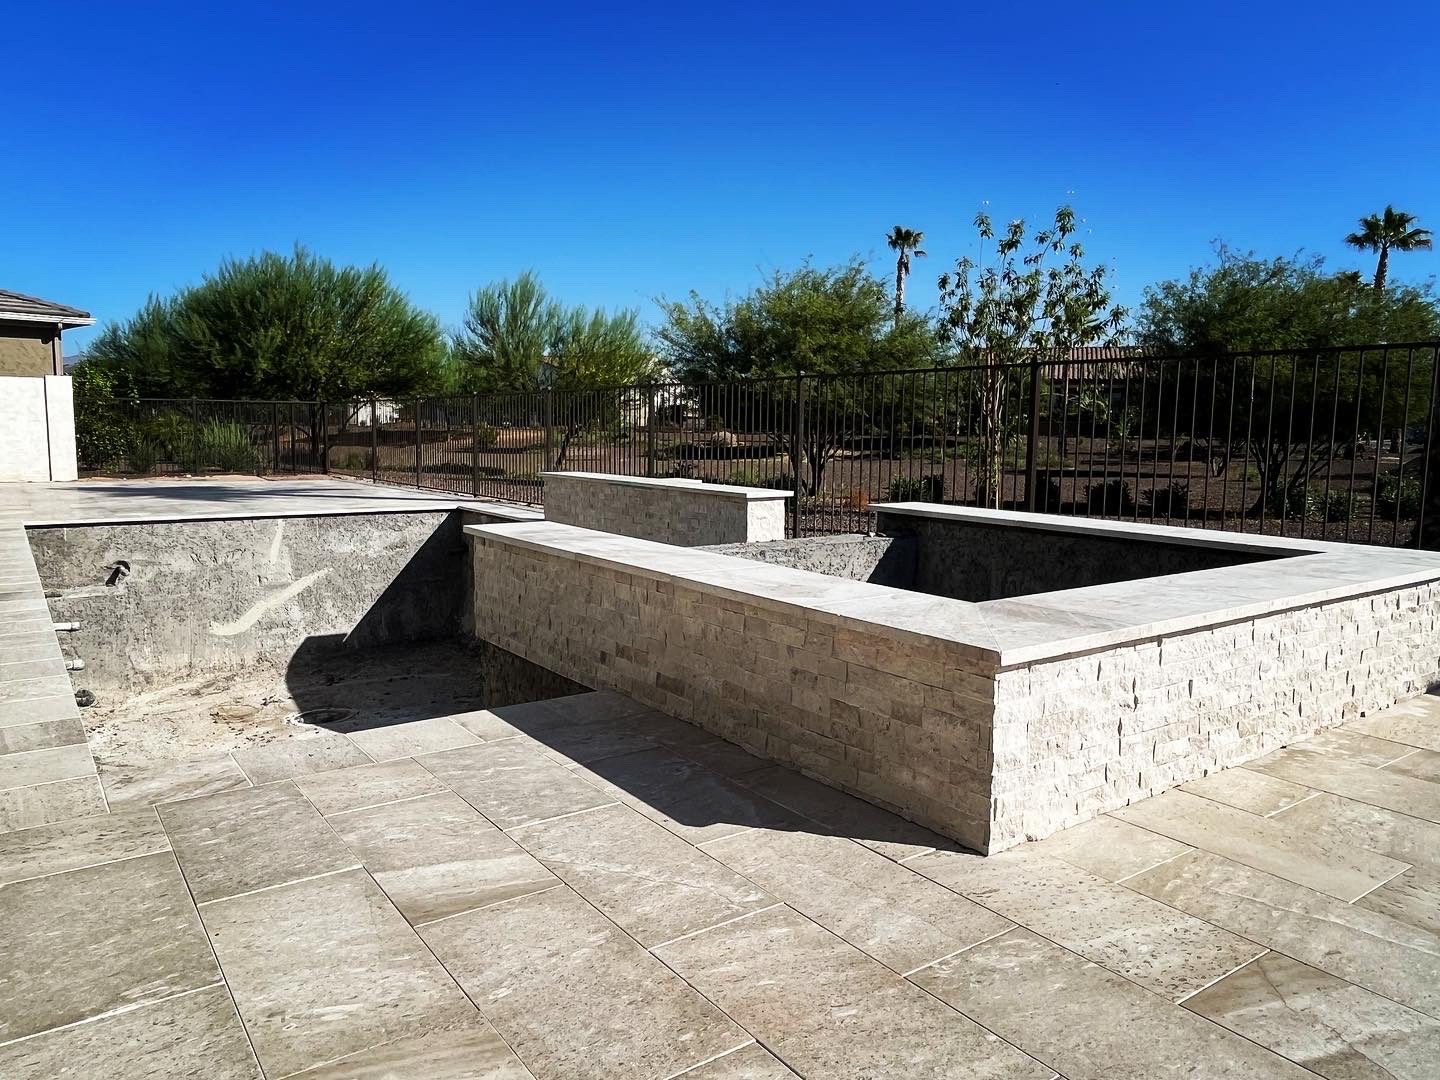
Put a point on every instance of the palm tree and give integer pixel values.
(1394, 230)
(907, 242)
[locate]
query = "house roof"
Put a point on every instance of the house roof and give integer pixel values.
(16, 306)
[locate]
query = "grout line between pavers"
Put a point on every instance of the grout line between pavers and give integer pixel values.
(1221, 978)
(1387, 881)
(279, 884)
(110, 1014)
(383, 802)
(973, 945)
(716, 926)
(559, 884)
(713, 1058)
(560, 817)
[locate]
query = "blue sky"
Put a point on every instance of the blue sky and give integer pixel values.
(627, 153)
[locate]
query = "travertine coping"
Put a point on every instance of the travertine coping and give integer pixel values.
(1045, 626)
(720, 491)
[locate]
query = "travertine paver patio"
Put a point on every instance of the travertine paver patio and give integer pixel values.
(583, 888)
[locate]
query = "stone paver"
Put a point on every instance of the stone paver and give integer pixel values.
(1328, 1025)
(368, 785)
(574, 995)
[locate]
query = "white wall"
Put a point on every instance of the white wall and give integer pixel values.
(37, 428)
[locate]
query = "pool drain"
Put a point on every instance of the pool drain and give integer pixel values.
(321, 717)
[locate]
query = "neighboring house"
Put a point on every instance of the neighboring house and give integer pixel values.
(30, 331)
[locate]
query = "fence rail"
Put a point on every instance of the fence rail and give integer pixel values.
(1329, 443)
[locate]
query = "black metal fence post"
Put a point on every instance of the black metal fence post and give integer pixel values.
(475, 445)
(417, 444)
(374, 440)
(325, 437)
(195, 466)
(797, 438)
(652, 466)
(275, 437)
(1032, 438)
(549, 427)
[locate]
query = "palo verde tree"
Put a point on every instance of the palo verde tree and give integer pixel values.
(1393, 230)
(1284, 365)
(517, 338)
(905, 243)
(836, 321)
(277, 327)
(1036, 299)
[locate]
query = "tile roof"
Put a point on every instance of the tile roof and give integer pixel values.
(33, 307)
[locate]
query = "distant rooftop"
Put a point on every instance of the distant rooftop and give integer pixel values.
(18, 306)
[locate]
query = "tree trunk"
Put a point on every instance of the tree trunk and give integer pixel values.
(1382, 267)
(899, 287)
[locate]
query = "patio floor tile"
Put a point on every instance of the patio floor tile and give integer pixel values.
(72, 845)
(1399, 836)
(575, 996)
(1415, 722)
(81, 944)
(844, 815)
(1165, 950)
(1246, 790)
(1380, 787)
(1420, 764)
(1089, 1023)
(650, 882)
(468, 1050)
(751, 1062)
(368, 785)
(251, 839)
(1330, 1026)
(191, 1035)
(327, 967)
(46, 766)
(1413, 897)
(41, 736)
(286, 759)
(1338, 869)
(887, 910)
(54, 707)
(1364, 947)
(512, 783)
(41, 804)
(435, 856)
(391, 741)
(829, 1010)
(128, 786)
(685, 797)
(1110, 848)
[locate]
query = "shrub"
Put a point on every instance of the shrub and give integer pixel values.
(103, 430)
(1171, 501)
(143, 454)
(1392, 490)
(1339, 505)
(917, 489)
(485, 437)
(1110, 497)
(1296, 500)
(751, 478)
(226, 446)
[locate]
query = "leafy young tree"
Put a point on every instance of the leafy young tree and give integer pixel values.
(905, 242)
(1258, 346)
(277, 327)
(1394, 230)
(1036, 299)
(835, 321)
(516, 337)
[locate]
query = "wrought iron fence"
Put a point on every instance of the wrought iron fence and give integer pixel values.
(1329, 443)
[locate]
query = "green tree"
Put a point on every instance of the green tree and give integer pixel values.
(1394, 230)
(517, 338)
(904, 242)
(824, 322)
(277, 327)
(1268, 352)
(1036, 299)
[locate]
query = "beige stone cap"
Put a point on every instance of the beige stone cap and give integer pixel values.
(725, 491)
(1010, 633)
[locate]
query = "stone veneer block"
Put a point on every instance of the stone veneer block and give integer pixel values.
(673, 511)
(994, 722)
